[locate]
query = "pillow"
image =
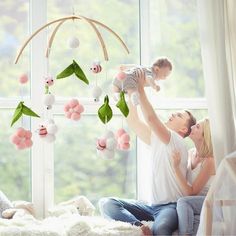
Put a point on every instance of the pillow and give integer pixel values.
(84, 206)
(4, 203)
(62, 210)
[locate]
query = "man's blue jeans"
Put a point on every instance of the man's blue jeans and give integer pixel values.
(164, 216)
(189, 210)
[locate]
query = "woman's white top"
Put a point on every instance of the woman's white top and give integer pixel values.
(193, 173)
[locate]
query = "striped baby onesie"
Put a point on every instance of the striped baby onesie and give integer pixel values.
(132, 76)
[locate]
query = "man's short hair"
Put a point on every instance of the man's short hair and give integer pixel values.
(191, 121)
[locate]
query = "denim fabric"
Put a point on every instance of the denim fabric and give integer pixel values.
(188, 210)
(132, 211)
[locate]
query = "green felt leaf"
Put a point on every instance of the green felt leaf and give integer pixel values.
(79, 72)
(67, 72)
(18, 113)
(122, 105)
(105, 112)
(27, 111)
(46, 89)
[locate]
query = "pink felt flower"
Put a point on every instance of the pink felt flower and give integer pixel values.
(73, 109)
(123, 139)
(22, 139)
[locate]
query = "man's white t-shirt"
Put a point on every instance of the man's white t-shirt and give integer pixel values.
(165, 188)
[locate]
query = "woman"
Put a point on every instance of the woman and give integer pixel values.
(201, 169)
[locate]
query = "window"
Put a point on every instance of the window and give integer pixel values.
(173, 32)
(167, 28)
(170, 29)
(15, 165)
(78, 170)
(125, 24)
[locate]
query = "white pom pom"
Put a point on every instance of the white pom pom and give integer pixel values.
(109, 134)
(96, 93)
(99, 153)
(49, 99)
(50, 121)
(111, 144)
(52, 128)
(73, 42)
(108, 154)
(49, 138)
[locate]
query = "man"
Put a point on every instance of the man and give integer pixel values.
(163, 139)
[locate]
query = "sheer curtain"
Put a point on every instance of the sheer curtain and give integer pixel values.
(218, 36)
(217, 22)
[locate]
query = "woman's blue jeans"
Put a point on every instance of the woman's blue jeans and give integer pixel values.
(188, 210)
(164, 216)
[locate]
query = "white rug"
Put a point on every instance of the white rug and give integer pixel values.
(67, 225)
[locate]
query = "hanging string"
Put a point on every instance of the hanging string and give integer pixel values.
(73, 7)
(106, 123)
(47, 74)
(49, 51)
(22, 98)
(105, 65)
(47, 62)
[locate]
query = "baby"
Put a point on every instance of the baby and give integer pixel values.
(160, 70)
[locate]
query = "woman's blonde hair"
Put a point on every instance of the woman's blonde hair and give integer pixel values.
(206, 149)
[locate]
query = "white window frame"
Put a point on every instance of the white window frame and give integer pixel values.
(143, 174)
(42, 155)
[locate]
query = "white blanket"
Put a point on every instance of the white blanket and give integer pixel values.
(66, 225)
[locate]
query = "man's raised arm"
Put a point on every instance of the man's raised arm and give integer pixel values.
(142, 130)
(152, 119)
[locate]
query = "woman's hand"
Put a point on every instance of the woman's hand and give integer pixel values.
(176, 159)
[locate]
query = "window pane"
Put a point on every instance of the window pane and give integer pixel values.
(13, 31)
(125, 24)
(174, 33)
(15, 166)
(78, 169)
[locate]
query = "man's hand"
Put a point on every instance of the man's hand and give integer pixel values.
(141, 82)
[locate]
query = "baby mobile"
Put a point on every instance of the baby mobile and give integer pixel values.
(108, 142)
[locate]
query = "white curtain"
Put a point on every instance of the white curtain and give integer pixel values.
(218, 215)
(217, 25)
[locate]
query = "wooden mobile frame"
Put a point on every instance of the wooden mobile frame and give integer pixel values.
(91, 22)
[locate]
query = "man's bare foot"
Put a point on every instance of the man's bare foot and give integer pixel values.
(146, 230)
